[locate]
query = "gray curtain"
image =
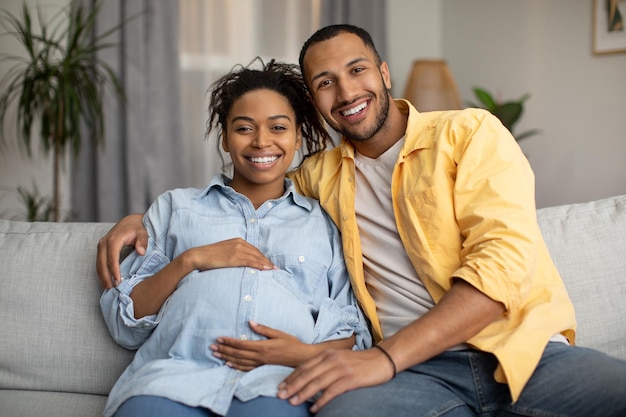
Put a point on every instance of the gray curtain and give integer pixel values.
(141, 156)
(367, 14)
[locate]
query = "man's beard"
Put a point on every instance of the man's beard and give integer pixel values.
(381, 117)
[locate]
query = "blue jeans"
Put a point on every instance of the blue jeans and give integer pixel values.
(569, 381)
(148, 406)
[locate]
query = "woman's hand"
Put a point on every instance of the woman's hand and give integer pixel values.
(150, 294)
(130, 232)
(279, 348)
(227, 254)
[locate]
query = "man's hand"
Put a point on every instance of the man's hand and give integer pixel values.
(129, 231)
(461, 314)
(334, 372)
(279, 348)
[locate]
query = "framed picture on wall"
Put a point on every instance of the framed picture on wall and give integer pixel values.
(609, 26)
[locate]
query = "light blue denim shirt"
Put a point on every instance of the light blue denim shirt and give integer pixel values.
(309, 296)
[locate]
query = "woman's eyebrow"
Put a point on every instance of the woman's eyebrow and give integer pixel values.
(250, 119)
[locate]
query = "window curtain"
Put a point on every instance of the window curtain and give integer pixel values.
(156, 141)
(217, 35)
(367, 14)
(141, 156)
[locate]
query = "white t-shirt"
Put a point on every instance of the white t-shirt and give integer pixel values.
(391, 279)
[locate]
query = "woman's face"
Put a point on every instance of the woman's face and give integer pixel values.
(262, 138)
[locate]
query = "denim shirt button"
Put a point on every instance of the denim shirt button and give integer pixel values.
(301, 258)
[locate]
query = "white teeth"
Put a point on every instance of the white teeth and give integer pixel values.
(263, 159)
(354, 110)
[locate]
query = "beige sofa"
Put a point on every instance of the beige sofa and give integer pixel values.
(57, 358)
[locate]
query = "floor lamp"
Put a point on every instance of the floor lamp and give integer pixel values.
(431, 86)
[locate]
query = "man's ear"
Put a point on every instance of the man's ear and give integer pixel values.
(384, 71)
(310, 96)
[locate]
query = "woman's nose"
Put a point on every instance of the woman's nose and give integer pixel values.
(262, 139)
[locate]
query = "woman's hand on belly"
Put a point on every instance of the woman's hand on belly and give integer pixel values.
(279, 348)
(226, 254)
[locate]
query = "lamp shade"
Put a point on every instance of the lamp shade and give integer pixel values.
(431, 86)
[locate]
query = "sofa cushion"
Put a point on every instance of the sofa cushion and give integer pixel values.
(54, 337)
(39, 403)
(587, 243)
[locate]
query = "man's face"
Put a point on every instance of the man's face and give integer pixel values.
(347, 86)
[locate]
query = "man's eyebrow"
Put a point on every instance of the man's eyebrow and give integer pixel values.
(320, 75)
(349, 64)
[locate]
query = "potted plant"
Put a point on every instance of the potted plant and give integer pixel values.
(509, 112)
(58, 82)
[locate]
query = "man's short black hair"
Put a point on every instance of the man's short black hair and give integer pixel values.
(329, 32)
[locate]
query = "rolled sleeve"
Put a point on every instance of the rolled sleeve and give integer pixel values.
(335, 322)
(119, 315)
(118, 308)
(496, 214)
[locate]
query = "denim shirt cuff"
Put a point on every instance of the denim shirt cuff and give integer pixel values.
(127, 309)
(334, 322)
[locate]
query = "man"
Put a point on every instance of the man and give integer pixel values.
(445, 255)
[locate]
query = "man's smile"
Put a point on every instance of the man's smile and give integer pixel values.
(354, 110)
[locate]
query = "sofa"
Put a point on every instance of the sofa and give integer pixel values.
(57, 358)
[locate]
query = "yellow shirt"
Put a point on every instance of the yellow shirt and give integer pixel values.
(463, 199)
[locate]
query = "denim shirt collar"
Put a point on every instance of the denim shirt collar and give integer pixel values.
(222, 182)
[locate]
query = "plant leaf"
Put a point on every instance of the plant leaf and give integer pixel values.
(509, 113)
(485, 98)
(60, 81)
(526, 134)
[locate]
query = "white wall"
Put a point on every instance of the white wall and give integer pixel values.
(544, 48)
(415, 31)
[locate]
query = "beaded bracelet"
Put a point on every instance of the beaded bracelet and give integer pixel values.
(395, 370)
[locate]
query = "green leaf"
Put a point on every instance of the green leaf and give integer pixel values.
(526, 134)
(485, 98)
(509, 113)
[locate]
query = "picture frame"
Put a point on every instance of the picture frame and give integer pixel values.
(609, 26)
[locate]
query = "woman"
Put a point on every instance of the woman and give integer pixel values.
(244, 253)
